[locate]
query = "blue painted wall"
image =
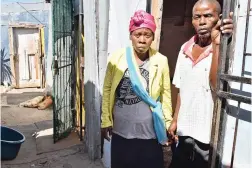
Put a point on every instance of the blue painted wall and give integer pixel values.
(22, 16)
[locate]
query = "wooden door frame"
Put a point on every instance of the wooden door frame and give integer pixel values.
(157, 12)
(12, 50)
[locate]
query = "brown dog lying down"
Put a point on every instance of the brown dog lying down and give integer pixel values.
(40, 102)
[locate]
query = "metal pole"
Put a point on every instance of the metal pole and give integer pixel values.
(73, 70)
(148, 6)
(218, 113)
(80, 54)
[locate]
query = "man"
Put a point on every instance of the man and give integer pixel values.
(124, 115)
(195, 76)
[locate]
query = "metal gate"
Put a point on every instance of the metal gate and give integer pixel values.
(63, 80)
(224, 92)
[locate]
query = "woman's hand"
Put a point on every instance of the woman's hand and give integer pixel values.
(106, 132)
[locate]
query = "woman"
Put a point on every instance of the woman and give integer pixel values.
(125, 115)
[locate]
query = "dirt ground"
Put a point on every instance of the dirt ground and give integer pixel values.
(38, 150)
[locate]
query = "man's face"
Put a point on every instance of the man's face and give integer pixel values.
(141, 40)
(204, 19)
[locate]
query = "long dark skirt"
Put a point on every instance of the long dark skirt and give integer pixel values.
(135, 153)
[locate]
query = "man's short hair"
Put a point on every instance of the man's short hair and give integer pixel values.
(214, 2)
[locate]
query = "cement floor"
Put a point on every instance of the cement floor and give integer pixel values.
(39, 150)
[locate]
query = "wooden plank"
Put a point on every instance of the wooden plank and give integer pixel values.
(25, 25)
(77, 102)
(12, 56)
(37, 66)
(30, 85)
(157, 12)
(41, 57)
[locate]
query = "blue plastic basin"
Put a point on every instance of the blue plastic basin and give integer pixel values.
(11, 141)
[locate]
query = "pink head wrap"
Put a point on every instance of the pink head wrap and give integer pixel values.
(142, 19)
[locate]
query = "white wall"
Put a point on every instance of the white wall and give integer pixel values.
(119, 17)
(49, 57)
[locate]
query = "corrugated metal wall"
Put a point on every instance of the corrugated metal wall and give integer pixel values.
(91, 80)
